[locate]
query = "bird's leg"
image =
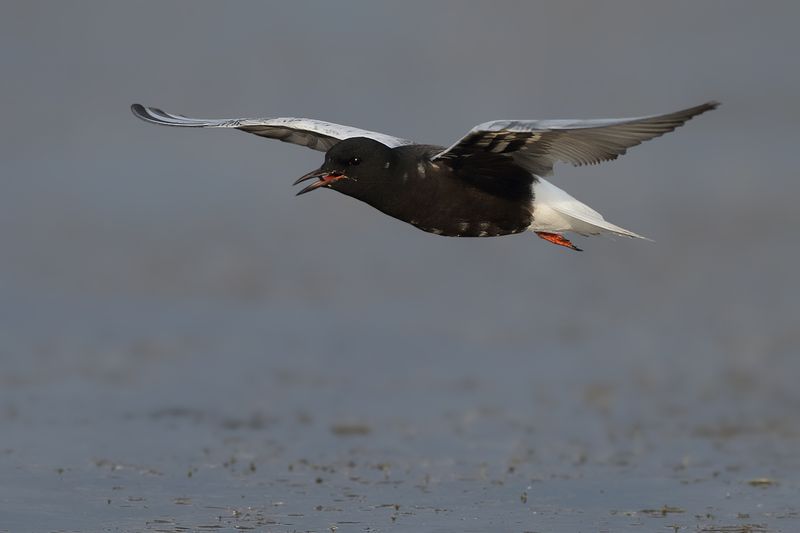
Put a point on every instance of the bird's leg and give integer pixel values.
(557, 238)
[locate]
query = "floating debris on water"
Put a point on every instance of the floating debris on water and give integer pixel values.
(663, 511)
(762, 482)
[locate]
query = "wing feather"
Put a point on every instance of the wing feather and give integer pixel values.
(539, 144)
(314, 134)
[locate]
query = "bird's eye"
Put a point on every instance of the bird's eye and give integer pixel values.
(354, 161)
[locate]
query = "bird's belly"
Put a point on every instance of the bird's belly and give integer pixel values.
(453, 209)
(469, 228)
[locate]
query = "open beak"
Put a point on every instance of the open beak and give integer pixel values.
(324, 177)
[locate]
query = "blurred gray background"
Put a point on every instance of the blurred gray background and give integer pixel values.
(185, 344)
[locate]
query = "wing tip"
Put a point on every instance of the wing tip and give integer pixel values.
(139, 111)
(149, 114)
(155, 115)
(702, 108)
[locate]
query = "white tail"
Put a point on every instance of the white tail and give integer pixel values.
(555, 211)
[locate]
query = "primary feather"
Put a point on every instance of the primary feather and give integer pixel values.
(314, 134)
(538, 144)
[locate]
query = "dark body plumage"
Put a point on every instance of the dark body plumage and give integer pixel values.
(480, 196)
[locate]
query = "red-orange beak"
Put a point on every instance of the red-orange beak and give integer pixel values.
(325, 177)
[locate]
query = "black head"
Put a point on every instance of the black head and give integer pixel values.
(351, 166)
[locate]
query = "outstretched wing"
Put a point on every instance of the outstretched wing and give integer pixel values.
(538, 144)
(315, 134)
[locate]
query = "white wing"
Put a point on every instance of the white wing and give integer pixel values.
(315, 134)
(538, 144)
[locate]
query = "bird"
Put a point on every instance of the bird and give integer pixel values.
(490, 182)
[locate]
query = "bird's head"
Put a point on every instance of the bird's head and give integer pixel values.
(351, 166)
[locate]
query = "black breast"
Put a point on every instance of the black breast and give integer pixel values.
(481, 195)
